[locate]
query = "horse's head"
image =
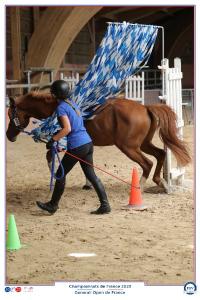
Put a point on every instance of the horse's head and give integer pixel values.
(18, 120)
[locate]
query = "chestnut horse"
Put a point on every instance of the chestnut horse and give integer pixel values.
(124, 123)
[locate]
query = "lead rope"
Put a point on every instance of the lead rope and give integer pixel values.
(54, 154)
(96, 167)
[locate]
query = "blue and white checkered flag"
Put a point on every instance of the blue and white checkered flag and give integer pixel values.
(124, 50)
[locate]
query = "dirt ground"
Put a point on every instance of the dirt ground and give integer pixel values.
(153, 246)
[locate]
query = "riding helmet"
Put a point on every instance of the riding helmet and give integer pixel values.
(60, 89)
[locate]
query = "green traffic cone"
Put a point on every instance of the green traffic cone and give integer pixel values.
(13, 241)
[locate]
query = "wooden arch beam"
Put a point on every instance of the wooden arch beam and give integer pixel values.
(180, 41)
(55, 32)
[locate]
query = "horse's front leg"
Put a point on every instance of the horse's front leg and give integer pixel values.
(49, 159)
(87, 186)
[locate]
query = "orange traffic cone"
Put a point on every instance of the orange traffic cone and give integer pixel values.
(135, 200)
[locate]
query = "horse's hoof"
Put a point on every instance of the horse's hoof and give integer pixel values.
(87, 187)
(163, 184)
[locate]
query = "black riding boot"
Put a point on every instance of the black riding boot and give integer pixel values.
(104, 207)
(52, 205)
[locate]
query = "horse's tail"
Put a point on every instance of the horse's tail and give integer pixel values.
(168, 132)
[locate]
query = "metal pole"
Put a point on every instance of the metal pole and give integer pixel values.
(29, 80)
(162, 61)
(163, 42)
(51, 76)
(133, 24)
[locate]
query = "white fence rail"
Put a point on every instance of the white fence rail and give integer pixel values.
(172, 95)
(71, 80)
(152, 79)
(134, 88)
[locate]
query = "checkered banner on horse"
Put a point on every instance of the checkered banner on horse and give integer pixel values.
(124, 50)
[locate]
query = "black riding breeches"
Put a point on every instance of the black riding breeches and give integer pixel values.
(85, 152)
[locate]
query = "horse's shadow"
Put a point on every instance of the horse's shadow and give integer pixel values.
(26, 198)
(155, 190)
(125, 188)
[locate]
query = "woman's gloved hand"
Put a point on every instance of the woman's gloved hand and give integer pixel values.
(51, 143)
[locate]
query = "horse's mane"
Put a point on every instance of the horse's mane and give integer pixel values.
(41, 96)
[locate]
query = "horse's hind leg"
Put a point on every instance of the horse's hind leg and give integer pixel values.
(136, 155)
(160, 155)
